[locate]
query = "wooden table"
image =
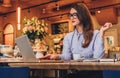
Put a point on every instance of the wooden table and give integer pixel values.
(34, 66)
(71, 65)
(42, 65)
(95, 65)
(64, 65)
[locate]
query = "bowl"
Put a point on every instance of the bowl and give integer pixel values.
(6, 49)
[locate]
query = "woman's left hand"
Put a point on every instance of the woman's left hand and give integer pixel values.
(105, 27)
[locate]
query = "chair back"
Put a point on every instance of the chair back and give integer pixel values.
(111, 74)
(14, 72)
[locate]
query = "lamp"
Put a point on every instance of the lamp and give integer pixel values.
(18, 17)
(6, 3)
(43, 10)
(57, 7)
(98, 11)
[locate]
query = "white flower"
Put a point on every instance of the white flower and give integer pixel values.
(25, 29)
(34, 27)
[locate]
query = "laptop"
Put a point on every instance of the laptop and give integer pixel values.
(25, 49)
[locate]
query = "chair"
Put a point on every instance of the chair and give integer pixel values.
(14, 72)
(111, 73)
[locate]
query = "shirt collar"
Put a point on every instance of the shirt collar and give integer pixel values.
(77, 32)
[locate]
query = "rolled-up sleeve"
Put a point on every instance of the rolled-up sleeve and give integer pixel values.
(98, 47)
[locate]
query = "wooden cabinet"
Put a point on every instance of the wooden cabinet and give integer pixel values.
(106, 15)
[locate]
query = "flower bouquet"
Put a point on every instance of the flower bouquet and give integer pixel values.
(34, 28)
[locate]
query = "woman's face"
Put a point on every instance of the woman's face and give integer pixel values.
(74, 18)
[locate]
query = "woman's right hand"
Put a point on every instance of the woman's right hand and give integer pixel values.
(50, 57)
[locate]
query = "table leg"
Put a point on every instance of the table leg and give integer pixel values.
(36, 73)
(63, 73)
(56, 73)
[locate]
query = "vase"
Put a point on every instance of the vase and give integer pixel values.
(37, 43)
(32, 42)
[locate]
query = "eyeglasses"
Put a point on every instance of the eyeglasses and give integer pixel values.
(74, 15)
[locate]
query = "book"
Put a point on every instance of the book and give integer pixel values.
(100, 60)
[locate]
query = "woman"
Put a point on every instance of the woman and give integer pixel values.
(84, 39)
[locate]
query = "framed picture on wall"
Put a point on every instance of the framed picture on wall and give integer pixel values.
(60, 27)
(110, 39)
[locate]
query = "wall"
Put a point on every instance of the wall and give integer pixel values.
(11, 18)
(115, 26)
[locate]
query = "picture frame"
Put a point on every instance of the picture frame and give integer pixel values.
(110, 39)
(60, 27)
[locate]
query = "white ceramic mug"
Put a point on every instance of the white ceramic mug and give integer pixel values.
(39, 54)
(77, 56)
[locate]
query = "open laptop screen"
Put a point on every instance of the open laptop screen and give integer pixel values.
(25, 48)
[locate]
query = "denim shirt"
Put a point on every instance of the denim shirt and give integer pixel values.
(73, 41)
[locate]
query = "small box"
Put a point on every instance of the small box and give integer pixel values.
(114, 54)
